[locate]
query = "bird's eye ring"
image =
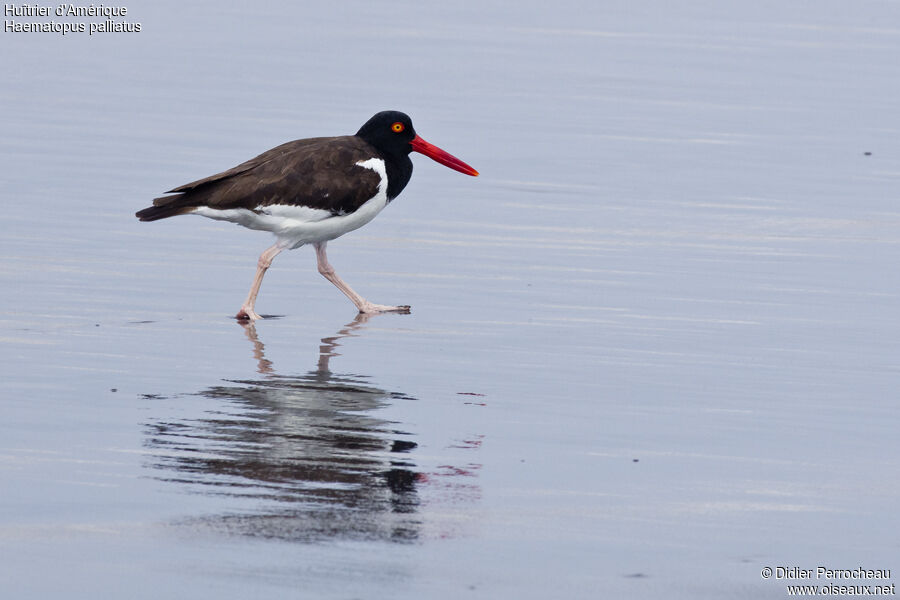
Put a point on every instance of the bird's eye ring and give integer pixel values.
(397, 127)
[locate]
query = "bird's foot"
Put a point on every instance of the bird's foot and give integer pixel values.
(369, 308)
(247, 314)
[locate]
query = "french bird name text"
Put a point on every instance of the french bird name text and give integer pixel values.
(68, 11)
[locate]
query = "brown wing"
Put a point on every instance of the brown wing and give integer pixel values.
(317, 172)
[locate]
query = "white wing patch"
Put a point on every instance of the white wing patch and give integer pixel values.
(303, 214)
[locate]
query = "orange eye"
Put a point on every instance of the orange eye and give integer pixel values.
(397, 127)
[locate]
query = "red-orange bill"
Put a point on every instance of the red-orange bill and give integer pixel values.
(445, 158)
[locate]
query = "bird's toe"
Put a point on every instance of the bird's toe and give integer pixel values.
(247, 314)
(369, 308)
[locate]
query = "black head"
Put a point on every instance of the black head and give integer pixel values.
(390, 131)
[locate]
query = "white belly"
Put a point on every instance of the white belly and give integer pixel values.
(298, 225)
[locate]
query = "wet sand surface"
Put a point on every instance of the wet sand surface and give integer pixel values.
(653, 348)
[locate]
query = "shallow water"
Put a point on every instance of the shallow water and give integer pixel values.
(652, 350)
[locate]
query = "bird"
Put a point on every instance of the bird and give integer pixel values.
(310, 191)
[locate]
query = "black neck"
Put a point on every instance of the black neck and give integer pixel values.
(399, 169)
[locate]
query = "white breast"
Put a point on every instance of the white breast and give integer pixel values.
(298, 225)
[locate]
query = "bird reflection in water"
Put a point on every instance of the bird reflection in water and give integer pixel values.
(302, 456)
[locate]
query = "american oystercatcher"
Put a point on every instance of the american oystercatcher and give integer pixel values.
(309, 192)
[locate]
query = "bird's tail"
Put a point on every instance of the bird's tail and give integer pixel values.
(167, 206)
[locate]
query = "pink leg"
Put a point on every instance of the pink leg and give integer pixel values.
(361, 303)
(265, 260)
